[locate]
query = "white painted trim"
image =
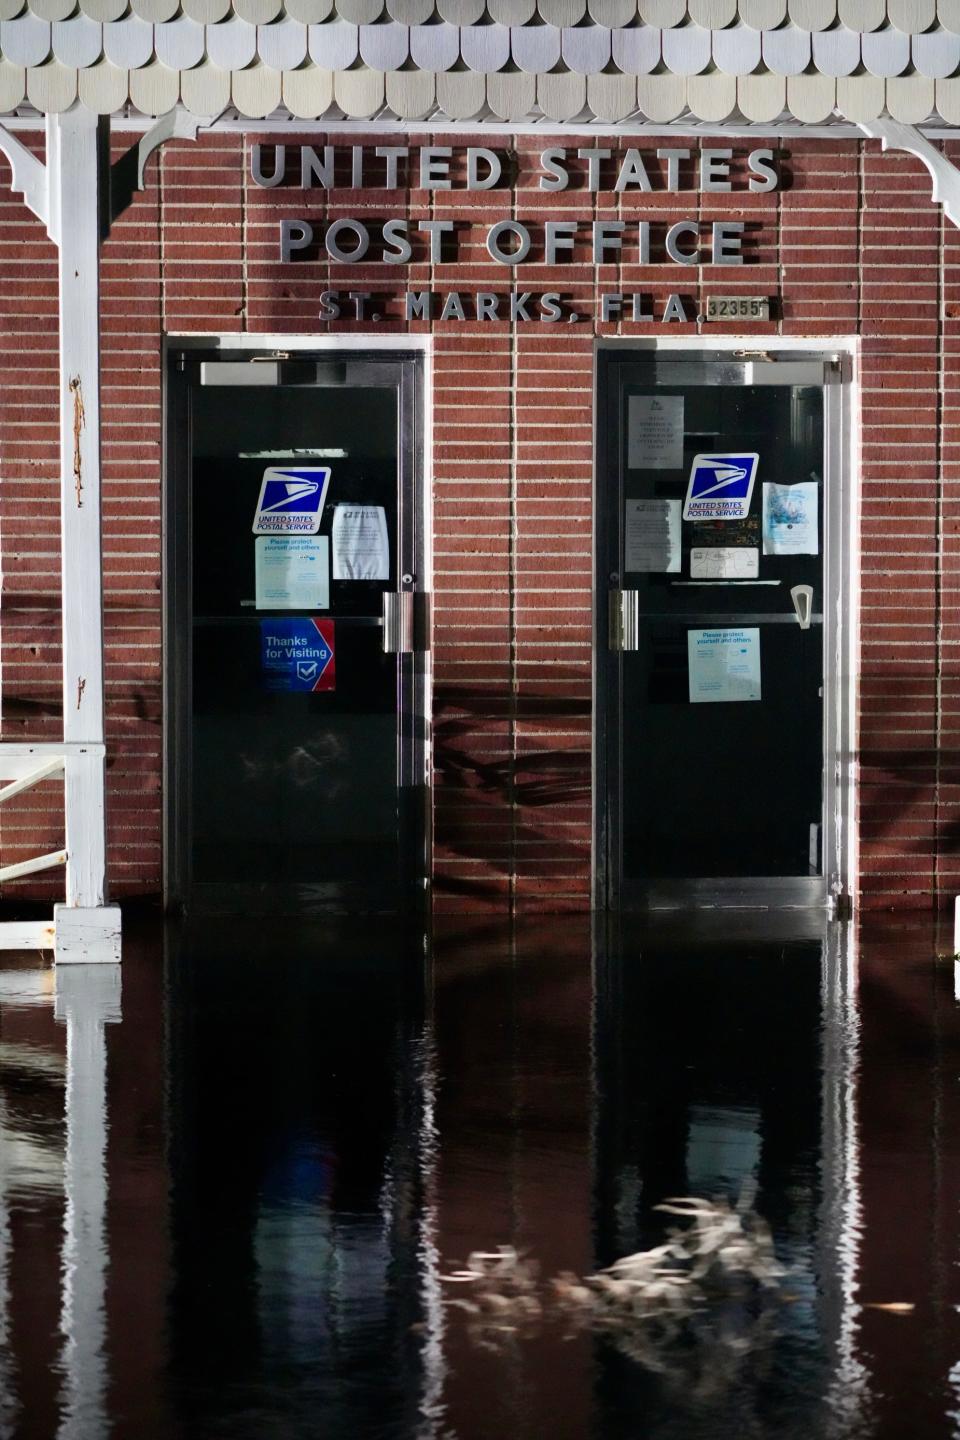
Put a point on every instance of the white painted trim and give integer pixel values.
(425, 348)
(283, 125)
(371, 340)
(843, 344)
(689, 125)
(17, 760)
(37, 749)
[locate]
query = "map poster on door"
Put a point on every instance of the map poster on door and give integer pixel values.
(723, 665)
(297, 654)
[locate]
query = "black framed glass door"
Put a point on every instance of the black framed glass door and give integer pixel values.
(713, 511)
(296, 634)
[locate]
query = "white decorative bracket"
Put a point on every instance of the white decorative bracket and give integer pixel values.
(128, 175)
(943, 172)
(29, 180)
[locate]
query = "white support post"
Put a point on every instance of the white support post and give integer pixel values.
(75, 179)
(77, 196)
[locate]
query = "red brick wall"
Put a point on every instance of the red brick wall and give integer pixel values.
(853, 245)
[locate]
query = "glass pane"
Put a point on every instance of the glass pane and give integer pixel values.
(722, 770)
(291, 786)
(735, 787)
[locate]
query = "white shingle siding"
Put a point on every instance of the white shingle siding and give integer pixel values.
(563, 59)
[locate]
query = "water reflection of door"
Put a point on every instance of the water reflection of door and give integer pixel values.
(723, 1073)
(717, 559)
(295, 1180)
(296, 748)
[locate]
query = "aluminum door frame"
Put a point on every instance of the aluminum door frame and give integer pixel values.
(401, 367)
(834, 891)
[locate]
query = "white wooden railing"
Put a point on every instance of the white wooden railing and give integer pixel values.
(23, 765)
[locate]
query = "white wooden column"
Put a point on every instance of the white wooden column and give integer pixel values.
(86, 928)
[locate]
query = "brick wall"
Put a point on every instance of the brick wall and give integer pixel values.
(853, 244)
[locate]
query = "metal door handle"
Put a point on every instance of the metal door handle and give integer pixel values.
(802, 597)
(406, 622)
(624, 620)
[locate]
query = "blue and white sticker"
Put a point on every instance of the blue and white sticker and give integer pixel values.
(720, 486)
(291, 500)
(298, 653)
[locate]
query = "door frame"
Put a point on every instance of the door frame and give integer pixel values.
(414, 729)
(840, 625)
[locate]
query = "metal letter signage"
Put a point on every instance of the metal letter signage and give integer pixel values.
(645, 233)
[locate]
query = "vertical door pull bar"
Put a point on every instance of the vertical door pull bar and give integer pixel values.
(624, 620)
(802, 597)
(406, 622)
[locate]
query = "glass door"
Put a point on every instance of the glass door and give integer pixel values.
(296, 636)
(712, 533)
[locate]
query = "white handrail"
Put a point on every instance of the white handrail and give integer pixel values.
(16, 787)
(52, 766)
(29, 867)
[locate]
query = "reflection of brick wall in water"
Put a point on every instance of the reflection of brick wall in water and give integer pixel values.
(853, 245)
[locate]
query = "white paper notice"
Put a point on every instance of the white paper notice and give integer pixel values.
(655, 432)
(292, 572)
(723, 665)
(725, 562)
(361, 549)
(790, 519)
(652, 535)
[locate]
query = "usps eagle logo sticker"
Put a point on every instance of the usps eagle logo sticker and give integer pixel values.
(720, 487)
(291, 501)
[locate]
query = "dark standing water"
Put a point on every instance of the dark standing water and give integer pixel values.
(230, 1194)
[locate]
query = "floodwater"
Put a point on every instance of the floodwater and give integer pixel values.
(236, 1176)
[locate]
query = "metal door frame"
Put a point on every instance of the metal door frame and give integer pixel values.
(840, 629)
(405, 363)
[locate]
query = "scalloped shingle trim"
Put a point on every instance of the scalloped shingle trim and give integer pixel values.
(422, 59)
(909, 17)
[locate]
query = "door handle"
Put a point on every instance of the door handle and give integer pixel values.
(802, 597)
(624, 632)
(406, 622)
